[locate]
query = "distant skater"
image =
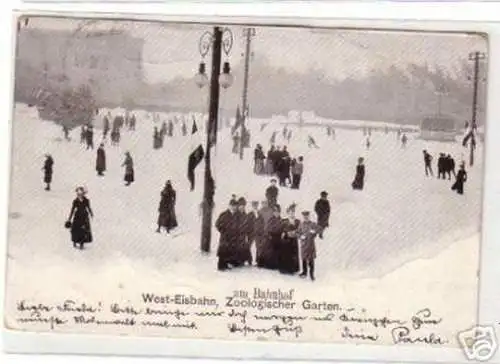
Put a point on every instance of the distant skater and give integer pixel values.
(461, 178)
(78, 220)
(48, 170)
(100, 164)
(427, 162)
(359, 178)
(129, 169)
(167, 218)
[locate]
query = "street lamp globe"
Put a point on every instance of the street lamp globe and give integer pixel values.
(226, 78)
(201, 78)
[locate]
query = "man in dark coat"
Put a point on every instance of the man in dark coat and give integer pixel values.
(244, 252)
(262, 252)
(274, 233)
(100, 164)
(227, 225)
(441, 166)
(90, 137)
(450, 166)
(427, 162)
(322, 209)
(48, 170)
(106, 126)
(272, 194)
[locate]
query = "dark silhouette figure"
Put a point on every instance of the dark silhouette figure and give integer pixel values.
(322, 210)
(461, 178)
(83, 134)
(90, 137)
(441, 166)
(307, 233)
(297, 167)
(450, 166)
(236, 143)
(288, 257)
(48, 168)
(427, 162)
(129, 169)
(167, 218)
(66, 133)
(359, 178)
(272, 194)
(100, 164)
(228, 227)
(106, 126)
(78, 219)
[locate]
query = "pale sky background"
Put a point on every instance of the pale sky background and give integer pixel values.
(171, 50)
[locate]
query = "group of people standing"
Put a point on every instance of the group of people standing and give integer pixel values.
(278, 162)
(282, 243)
(167, 129)
(446, 167)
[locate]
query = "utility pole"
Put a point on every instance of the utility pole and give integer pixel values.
(476, 57)
(213, 111)
(249, 33)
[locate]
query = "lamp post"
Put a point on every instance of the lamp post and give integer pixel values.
(221, 39)
(474, 57)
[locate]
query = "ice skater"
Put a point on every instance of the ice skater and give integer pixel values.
(461, 178)
(48, 168)
(100, 163)
(78, 220)
(359, 178)
(167, 218)
(129, 169)
(427, 162)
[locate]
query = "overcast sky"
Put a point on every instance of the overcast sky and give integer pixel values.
(171, 50)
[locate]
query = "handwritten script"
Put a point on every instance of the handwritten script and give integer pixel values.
(259, 314)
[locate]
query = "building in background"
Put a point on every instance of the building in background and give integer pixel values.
(109, 62)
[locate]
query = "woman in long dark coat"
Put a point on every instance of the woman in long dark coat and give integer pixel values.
(288, 257)
(129, 169)
(78, 220)
(359, 178)
(167, 218)
(100, 163)
(48, 170)
(461, 178)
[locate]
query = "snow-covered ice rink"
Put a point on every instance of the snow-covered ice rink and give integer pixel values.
(404, 236)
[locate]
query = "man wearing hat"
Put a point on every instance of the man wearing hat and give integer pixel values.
(243, 248)
(228, 227)
(307, 233)
(322, 209)
(272, 193)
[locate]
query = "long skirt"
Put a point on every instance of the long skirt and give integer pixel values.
(47, 178)
(81, 231)
(269, 255)
(269, 167)
(288, 257)
(129, 176)
(167, 219)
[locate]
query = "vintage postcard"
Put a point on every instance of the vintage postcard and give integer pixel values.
(247, 182)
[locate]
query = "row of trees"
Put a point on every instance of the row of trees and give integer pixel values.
(398, 94)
